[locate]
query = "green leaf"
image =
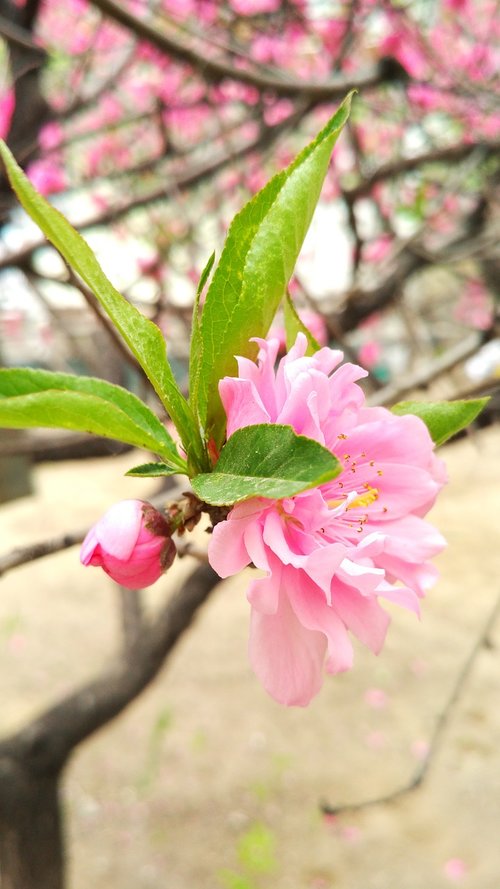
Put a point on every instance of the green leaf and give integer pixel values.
(152, 470)
(257, 261)
(142, 336)
(41, 398)
(266, 460)
(294, 325)
(443, 418)
(196, 346)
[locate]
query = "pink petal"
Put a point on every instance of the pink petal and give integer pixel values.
(322, 564)
(363, 616)
(314, 613)
(263, 593)
(227, 553)
(242, 404)
(88, 548)
(286, 657)
(118, 529)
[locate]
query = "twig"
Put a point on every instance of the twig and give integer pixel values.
(24, 554)
(407, 164)
(437, 734)
(179, 183)
(13, 33)
(111, 330)
(189, 549)
(47, 742)
(419, 380)
(216, 70)
(132, 616)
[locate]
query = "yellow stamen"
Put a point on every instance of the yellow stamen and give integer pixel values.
(363, 500)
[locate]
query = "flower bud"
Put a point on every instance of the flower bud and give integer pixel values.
(132, 543)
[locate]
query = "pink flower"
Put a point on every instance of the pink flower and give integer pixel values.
(131, 542)
(328, 554)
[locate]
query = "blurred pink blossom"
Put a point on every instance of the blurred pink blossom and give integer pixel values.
(376, 698)
(255, 7)
(47, 176)
(369, 354)
(50, 135)
(7, 105)
(314, 322)
(475, 307)
(378, 249)
(455, 869)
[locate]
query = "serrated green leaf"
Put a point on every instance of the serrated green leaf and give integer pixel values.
(294, 325)
(257, 261)
(266, 460)
(443, 418)
(142, 336)
(153, 470)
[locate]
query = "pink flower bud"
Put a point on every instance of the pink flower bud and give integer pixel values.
(132, 543)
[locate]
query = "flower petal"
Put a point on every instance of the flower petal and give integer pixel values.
(287, 658)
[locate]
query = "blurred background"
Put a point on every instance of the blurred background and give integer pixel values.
(149, 123)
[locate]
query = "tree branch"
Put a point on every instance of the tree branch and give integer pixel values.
(199, 174)
(438, 732)
(46, 743)
(215, 70)
(422, 378)
(24, 554)
(407, 164)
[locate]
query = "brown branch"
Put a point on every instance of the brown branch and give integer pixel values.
(18, 36)
(215, 70)
(190, 549)
(360, 302)
(438, 732)
(24, 554)
(62, 444)
(422, 378)
(111, 330)
(266, 137)
(407, 164)
(132, 616)
(46, 743)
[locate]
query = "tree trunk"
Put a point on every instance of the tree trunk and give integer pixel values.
(31, 837)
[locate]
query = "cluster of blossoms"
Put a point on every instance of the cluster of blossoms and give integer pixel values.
(328, 554)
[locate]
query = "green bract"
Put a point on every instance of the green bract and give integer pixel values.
(266, 460)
